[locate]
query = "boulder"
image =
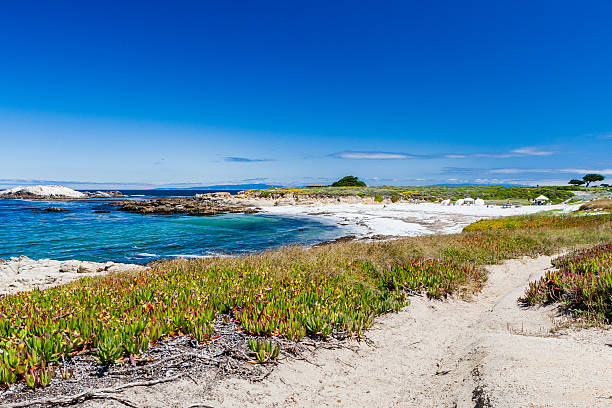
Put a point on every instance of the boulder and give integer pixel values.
(89, 267)
(70, 266)
(54, 209)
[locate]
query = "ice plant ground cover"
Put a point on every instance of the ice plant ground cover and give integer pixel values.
(331, 291)
(582, 283)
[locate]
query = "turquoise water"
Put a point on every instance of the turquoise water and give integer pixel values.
(80, 233)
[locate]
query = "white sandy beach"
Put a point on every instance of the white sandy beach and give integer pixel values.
(404, 219)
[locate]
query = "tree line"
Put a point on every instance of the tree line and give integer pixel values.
(587, 179)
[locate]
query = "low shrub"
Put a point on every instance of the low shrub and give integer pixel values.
(582, 282)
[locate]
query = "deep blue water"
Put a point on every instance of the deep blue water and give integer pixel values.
(79, 233)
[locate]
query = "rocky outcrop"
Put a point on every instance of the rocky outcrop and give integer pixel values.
(52, 192)
(23, 273)
(42, 192)
(199, 205)
(104, 194)
(54, 209)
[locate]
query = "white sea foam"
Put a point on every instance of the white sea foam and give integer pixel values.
(147, 254)
(45, 191)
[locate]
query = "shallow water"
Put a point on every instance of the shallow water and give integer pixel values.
(80, 233)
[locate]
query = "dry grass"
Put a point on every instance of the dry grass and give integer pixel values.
(476, 248)
(601, 204)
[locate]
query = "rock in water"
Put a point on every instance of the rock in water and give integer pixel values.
(34, 192)
(201, 205)
(54, 209)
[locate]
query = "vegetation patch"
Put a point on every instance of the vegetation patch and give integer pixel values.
(601, 204)
(582, 283)
(330, 291)
(537, 221)
(499, 194)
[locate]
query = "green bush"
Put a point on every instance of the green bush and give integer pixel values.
(349, 181)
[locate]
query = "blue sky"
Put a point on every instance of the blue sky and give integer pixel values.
(195, 93)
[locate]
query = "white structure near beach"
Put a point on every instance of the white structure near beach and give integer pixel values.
(541, 200)
(468, 200)
(479, 201)
(445, 202)
(460, 201)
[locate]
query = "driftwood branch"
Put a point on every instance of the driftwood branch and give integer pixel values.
(100, 393)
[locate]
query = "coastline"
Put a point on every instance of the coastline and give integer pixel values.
(22, 273)
(359, 221)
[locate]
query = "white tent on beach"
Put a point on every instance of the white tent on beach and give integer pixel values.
(445, 202)
(460, 201)
(468, 200)
(542, 200)
(479, 201)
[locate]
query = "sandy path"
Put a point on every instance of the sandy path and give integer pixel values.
(488, 352)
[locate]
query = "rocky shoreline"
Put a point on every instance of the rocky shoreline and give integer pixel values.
(28, 195)
(23, 273)
(198, 205)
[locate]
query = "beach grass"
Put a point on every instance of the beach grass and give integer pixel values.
(334, 290)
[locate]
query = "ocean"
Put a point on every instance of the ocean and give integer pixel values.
(81, 233)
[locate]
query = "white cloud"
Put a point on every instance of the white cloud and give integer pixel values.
(517, 171)
(374, 156)
(531, 151)
(605, 172)
(521, 151)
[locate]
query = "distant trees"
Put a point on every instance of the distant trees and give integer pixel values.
(587, 179)
(349, 181)
(592, 178)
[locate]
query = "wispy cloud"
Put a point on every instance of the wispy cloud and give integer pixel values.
(511, 170)
(605, 172)
(250, 180)
(531, 151)
(521, 151)
(518, 171)
(376, 155)
(569, 171)
(245, 160)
